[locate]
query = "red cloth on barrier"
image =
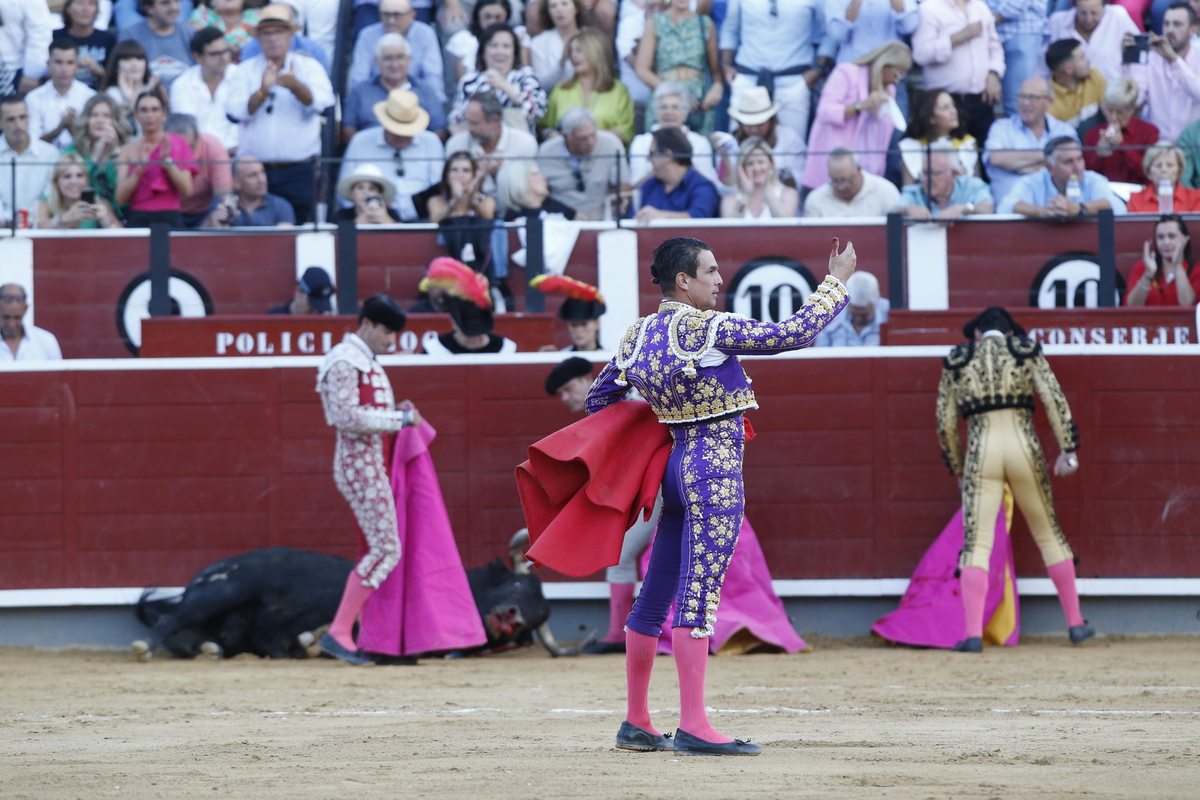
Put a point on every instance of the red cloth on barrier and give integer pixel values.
(585, 485)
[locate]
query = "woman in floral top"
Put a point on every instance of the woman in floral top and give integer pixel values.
(230, 16)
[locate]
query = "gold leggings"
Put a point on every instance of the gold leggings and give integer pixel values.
(1003, 446)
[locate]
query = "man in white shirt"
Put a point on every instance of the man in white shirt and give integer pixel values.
(203, 89)
(279, 98)
(850, 191)
(401, 147)
(34, 159)
(489, 140)
(54, 104)
(24, 39)
(23, 342)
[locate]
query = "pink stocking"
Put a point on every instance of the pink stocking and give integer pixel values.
(1063, 575)
(620, 603)
(691, 660)
(353, 599)
(640, 650)
(974, 582)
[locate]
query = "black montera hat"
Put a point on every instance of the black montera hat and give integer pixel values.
(470, 318)
(566, 371)
(995, 313)
(383, 310)
(573, 310)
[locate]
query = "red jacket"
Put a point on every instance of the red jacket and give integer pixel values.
(1122, 165)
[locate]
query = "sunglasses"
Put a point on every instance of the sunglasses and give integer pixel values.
(579, 184)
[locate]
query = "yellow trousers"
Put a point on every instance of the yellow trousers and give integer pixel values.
(1002, 446)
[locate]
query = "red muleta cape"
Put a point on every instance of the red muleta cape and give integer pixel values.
(585, 485)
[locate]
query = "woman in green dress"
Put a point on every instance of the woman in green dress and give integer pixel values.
(681, 45)
(100, 131)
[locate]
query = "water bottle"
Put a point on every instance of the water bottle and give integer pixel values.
(1166, 196)
(1074, 192)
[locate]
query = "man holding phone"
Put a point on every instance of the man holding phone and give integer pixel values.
(1101, 27)
(250, 206)
(1169, 79)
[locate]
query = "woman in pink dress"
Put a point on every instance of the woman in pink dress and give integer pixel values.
(155, 170)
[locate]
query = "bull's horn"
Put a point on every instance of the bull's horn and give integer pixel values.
(556, 650)
(517, 546)
(141, 650)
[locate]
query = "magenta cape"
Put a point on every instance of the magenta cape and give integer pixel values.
(750, 614)
(931, 611)
(425, 604)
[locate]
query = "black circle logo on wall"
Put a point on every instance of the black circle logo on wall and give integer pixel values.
(769, 288)
(188, 297)
(1071, 280)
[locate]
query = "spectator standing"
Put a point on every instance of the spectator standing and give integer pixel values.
(393, 56)
(858, 110)
(398, 16)
(214, 176)
(523, 191)
(936, 123)
(1164, 162)
(401, 147)
(957, 44)
(769, 43)
(1169, 81)
(22, 182)
(1015, 145)
(54, 104)
(101, 130)
(23, 342)
(760, 194)
(1044, 193)
(857, 325)
(1021, 26)
(945, 193)
(24, 40)
(318, 19)
(672, 101)
(279, 97)
(255, 206)
(300, 42)
(231, 17)
(203, 90)
(370, 195)
(92, 45)
(458, 193)
(64, 208)
(585, 166)
(488, 140)
(1078, 86)
(860, 26)
(1101, 26)
(167, 41)
(127, 13)
(850, 191)
(675, 190)
(756, 115)
(155, 171)
(681, 45)
(560, 21)
(593, 86)
(1166, 275)
(1115, 141)
(498, 72)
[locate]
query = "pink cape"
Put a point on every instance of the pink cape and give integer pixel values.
(750, 613)
(931, 611)
(425, 604)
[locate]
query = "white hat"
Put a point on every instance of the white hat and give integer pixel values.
(366, 172)
(753, 106)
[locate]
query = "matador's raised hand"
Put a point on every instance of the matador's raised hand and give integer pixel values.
(841, 265)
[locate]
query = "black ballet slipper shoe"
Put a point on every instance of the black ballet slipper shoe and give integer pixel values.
(604, 648)
(331, 647)
(689, 745)
(631, 737)
(972, 645)
(1081, 633)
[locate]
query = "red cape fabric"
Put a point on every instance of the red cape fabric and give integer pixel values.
(585, 485)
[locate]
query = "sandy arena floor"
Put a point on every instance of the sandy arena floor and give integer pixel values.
(1115, 718)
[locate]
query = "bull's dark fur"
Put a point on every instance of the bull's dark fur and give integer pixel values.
(496, 588)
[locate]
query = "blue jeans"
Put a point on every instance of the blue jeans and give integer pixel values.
(1022, 54)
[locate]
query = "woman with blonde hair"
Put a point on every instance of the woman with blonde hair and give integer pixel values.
(760, 194)
(100, 131)
(1165, 164)
(65, 206)
(858, 111)
(524, 192)
(593, 86)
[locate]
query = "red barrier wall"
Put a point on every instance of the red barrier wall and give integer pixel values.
(127, 477)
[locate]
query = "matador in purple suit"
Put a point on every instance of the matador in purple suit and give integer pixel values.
(683, 359)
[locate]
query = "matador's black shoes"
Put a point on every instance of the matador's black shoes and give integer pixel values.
(631, 737)
(689, 745)
(331, 647)
(1081, 633)
(973, 644)
(603, 648)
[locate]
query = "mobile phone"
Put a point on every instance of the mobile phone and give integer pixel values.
(374, 200)
(88, 196)
(1133, 53)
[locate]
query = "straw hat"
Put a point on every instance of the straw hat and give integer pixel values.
(275, 14)
(401, 113)
(753, 106)
(370, 173)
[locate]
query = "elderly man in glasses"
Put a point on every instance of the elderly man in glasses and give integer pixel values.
(584, 166)
(399, 16)
(23, 342)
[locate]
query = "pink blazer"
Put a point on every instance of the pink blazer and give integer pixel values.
(847, 84)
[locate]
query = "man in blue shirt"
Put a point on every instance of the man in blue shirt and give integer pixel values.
(1014, 144)
(1043, 194)
(168, 40)
(943, 192)
(674, 190)
(254, 207)
(393, 57)
(857, 325)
